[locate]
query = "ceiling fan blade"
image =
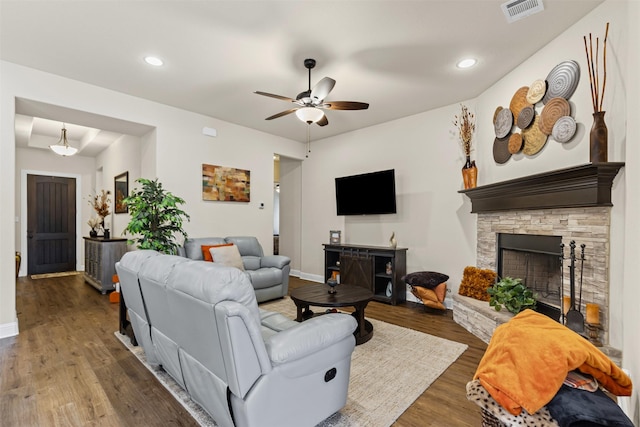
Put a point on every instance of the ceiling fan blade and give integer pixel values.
(280, 114)
(323, 121)
(284, 98)
(345, 105)
(322, 89)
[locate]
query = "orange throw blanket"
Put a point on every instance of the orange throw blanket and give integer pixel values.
(529, 357)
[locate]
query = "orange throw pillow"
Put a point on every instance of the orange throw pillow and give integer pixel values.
(441, 291)
(205, 250)
(475, 282)
(428, 297)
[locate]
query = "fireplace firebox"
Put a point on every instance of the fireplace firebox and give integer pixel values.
(535, 259)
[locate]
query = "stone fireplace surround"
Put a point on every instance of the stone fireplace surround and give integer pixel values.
(573, 203)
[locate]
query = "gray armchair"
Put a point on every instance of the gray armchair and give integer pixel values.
(268, 274)
(245, 366)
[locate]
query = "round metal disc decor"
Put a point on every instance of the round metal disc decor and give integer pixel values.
(515, 143)
(501, 150)
(525, 118)
(533, 137)
(504, 123)
(536, 91)
(519, 101)
(555, 108)
(562, 81)
(495, 114)
(564, 129)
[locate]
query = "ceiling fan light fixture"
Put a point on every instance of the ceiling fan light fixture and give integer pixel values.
(309, 114)
(62, 148)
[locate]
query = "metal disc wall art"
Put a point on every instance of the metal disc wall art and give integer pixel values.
(515, 143)
(504, 123)
(525, 118)
(533, 137)
(536, 91)
(555, 108)
(501, 150)
(564, 129)
(519, 101)
(562, 81)
(495, 114)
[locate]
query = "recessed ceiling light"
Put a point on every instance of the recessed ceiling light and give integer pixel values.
(466, 63)
(152, 60)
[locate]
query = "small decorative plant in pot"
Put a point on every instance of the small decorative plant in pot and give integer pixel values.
(513, 294)
(156, 218)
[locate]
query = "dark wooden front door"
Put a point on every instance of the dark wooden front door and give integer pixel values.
(51, 224)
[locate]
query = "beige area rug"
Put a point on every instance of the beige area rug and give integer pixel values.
(61, 274)
(388, 373)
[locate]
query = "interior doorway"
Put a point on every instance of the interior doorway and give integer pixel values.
(51, 224)
(290, 210)
(22, 229)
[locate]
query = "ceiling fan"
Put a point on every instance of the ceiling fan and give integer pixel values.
(310, 103)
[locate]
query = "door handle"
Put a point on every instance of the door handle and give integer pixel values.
(29, 234)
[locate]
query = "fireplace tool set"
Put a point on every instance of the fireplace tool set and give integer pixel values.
(573, 318)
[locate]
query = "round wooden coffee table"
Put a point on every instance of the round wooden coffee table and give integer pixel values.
(317, 294)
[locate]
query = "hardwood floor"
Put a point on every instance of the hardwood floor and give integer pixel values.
(66, 368)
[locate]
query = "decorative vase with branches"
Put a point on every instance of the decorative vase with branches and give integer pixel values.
(100, 204)
(156, 218)
(599, 135)
(465, 124)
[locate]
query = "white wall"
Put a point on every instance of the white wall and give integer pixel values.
(433, 220)
(121, 156)
(174, 152)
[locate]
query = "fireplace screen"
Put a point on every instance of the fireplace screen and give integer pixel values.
(536, 260)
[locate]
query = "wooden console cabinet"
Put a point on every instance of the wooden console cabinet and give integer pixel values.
(100, 257)
(366, 266)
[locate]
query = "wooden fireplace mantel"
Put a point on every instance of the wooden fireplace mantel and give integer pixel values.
(585, 185)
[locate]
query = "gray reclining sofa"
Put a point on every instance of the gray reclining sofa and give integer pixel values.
(268, 274)
(245, 366)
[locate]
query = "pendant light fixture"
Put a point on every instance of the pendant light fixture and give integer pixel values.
(309, 114)
(62, 148)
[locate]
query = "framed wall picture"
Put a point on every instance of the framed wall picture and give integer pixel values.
(334, 237)
(121, 190)
(225, 184)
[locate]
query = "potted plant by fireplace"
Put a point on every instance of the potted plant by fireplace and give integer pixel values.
(513, 294)
(156, 218)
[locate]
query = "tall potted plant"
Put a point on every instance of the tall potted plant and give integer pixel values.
(156, 218)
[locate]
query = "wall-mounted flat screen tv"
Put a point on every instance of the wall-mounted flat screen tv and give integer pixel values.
(366, 194)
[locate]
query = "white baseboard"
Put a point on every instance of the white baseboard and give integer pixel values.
(9, 329)
(294, 273)
(312, 277)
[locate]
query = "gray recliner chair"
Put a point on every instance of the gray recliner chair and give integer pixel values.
(245, 366)
(269, 274)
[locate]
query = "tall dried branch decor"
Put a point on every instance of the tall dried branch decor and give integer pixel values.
(466, 125)
(100, 203)
(594, 78)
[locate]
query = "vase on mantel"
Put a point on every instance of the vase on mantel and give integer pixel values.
(598, 139)
(469, 174)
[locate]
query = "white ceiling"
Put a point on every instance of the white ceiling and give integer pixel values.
(399, 56)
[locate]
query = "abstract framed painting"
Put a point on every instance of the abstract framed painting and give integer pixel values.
(226, 184)
(121, 190)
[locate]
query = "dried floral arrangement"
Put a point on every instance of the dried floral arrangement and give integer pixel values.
(466, 125)
(594, 78)
(100, 203)
(94, 222)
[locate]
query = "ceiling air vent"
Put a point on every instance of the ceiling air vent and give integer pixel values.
(518, 9)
